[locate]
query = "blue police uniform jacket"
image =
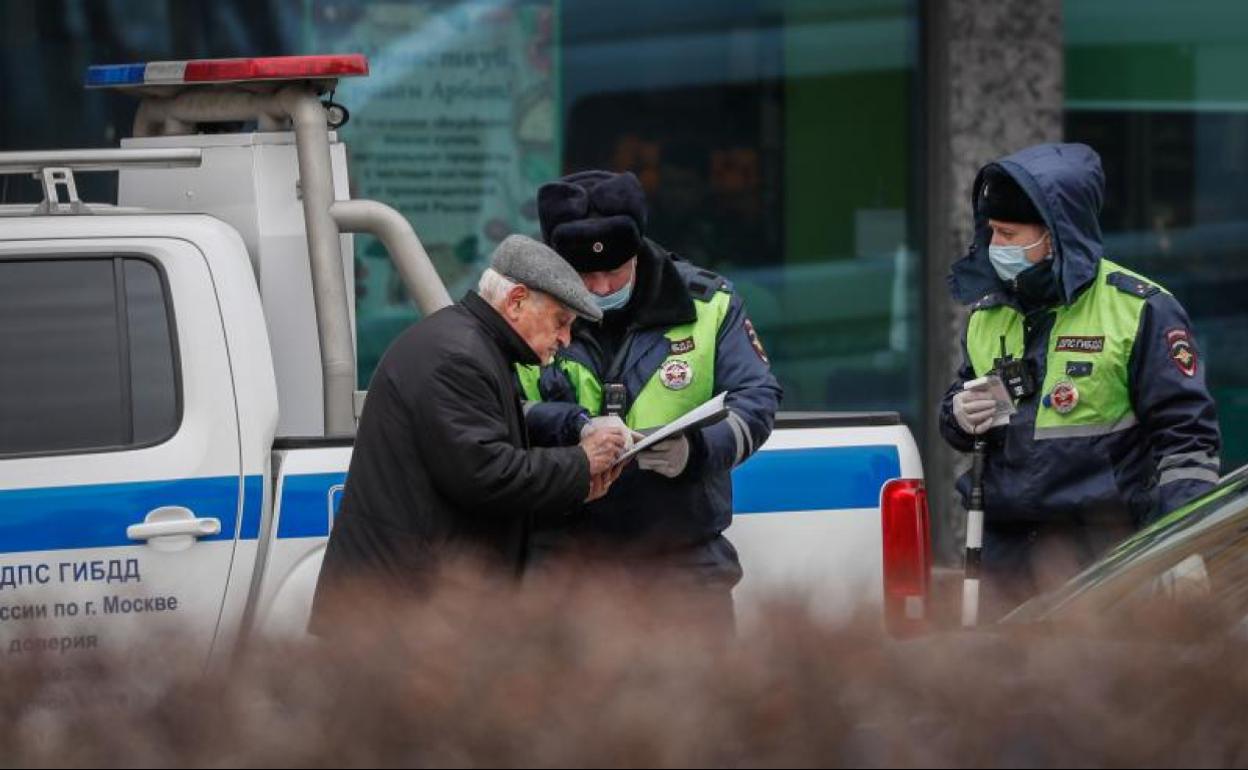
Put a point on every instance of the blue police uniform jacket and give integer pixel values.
(646, 513)
(1138, 471)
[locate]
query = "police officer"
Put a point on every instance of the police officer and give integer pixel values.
(673, 335)
(1115, 425)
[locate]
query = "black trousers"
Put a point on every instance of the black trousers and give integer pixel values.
(698, 578)
(1024, 559)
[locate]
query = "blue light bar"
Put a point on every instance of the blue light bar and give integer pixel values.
(103, 75)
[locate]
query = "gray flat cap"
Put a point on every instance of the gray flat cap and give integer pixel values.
(539, 267)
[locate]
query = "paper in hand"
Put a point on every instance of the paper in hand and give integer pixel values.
(699, 417)
(992, 386)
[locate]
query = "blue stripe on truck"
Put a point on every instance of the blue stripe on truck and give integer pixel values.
(817, 479)
(253, 507)
(774, 481)
(308, 503)
(96, 516)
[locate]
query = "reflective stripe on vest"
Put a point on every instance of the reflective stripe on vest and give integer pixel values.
(1098, 330)
(684, 380)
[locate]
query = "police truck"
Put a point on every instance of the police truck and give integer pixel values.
(178, 385)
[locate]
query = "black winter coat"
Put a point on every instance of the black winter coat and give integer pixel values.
(442, 462)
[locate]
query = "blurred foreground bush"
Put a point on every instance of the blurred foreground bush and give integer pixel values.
(585, 669)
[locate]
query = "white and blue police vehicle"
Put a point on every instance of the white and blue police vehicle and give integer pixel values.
(177, 378)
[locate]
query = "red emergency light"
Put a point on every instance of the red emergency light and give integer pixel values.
(198, 71)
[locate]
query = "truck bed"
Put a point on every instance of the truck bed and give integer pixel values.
(807, 513)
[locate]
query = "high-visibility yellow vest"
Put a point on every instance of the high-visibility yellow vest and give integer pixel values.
(1089, 348)
(684, 380)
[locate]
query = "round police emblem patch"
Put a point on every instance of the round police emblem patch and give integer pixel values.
(676, 375)
(1065, 396)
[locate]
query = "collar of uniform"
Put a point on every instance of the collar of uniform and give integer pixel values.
(509, 342)
(992, 299)
(660, 298)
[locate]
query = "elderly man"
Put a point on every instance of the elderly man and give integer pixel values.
(442, 461)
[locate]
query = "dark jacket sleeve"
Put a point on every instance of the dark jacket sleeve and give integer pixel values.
(1173, 403)
(753, 395)
(465, 438)
(949, 428)
(557, 419)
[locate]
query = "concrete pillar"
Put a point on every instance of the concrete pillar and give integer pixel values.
(994, 83)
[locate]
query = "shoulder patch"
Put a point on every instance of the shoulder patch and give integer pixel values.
(988, 300)
(1129, 284)
(715, 279)
(755, 342)
(1182, 353)
(703, 284)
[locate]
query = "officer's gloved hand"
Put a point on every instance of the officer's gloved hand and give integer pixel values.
(666, 457)
(973, 409)
(611, 424)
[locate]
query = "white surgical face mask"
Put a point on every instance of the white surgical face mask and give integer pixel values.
(616, 299)
(1009, 261)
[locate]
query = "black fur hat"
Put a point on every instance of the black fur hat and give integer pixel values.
(594, 219)
(1001, 198)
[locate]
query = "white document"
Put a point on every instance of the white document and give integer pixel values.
(699, 417)
(991, 385)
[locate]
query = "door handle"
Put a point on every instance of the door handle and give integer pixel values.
(173, 521)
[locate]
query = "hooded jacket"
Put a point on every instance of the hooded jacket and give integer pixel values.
(1165, 449)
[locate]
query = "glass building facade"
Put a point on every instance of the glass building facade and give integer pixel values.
(1159, 88)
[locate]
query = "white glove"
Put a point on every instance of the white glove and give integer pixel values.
(974, 410)
(668, 458)
(609, 423)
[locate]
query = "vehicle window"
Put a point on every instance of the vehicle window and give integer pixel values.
(153, 382)
(86, 356)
